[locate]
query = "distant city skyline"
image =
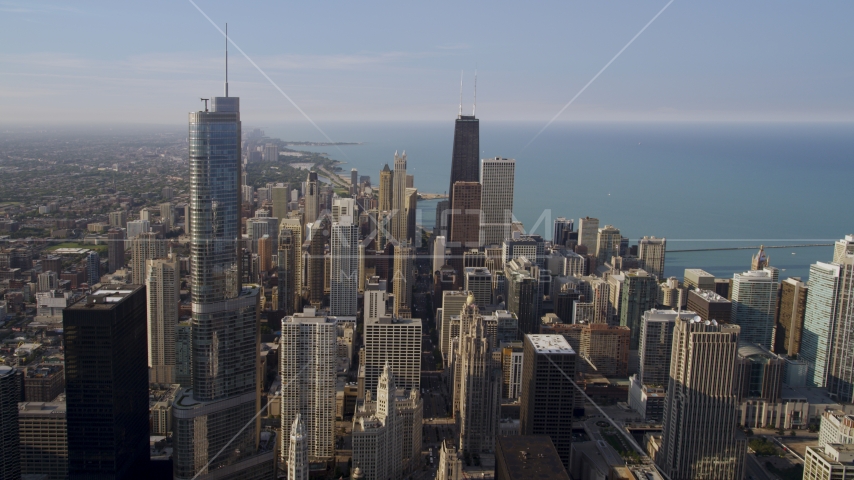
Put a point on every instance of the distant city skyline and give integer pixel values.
(94, 62)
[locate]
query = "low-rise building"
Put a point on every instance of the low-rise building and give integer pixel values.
(830, 462)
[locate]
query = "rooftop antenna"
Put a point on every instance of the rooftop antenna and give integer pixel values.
(474, 107)
(206, 102)
(226, 60)
(461, 93)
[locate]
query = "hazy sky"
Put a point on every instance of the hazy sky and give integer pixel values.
(133, 62)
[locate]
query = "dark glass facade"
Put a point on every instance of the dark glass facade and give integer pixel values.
(106, 371)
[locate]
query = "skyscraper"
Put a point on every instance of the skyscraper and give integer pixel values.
(465, 218)
(524, 294)
(548, 395)
(144, 247)
(754, 304)
(466, 152)
(497, 177)
(10, 395)
(386, 189)
(819, 318)
(107, 384)
(312, 198)
(640, 291)
(163, 290)
(298, 237)
(479, 387)
(562, 228)
(344, 282)
(396, 342)
(402, 282)
(701, 410)
(588, 233)
(43, 432)
(298, 467)
(93, 268)
(281, 192)
(286, 262)
(790, 316)
(607, 244)
(307, 356)
(651, 253)
(398, 201)
(115, 249)
(316, 267)
(478, 280)
(655, 345)
(224, 398)
(840, 357)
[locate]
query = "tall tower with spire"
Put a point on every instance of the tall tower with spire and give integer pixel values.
(298, 451)
(466, 153)
(211, 419)
(760, 260)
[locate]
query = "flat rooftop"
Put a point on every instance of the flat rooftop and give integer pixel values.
(529, 457)
(545, 343)
(105, 298)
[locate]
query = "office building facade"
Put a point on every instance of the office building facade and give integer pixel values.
(497, 178)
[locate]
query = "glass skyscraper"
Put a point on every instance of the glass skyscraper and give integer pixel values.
(223, 398)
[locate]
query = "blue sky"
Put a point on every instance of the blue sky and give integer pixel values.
(149, 62)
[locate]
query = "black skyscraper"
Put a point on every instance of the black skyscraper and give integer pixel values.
(106, 371)
(465, 159)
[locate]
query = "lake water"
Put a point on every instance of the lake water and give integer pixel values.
(698, 185)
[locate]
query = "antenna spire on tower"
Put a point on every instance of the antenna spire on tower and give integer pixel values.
(461, 94)
(474, 107)
(226, 59)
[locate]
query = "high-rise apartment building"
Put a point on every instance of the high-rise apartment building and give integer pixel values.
(396, 342)
(106, 378)
(452, 305)
(607, 244)
(465, 215)
(790, 316)
(701, 410)
(819, 317)
(298, 237)
(588, 233)
(10, 395)
(497, 177)
(651, 253)
(754, 304)
(344, 280)
(224, 396)
(135, 227)
(398, 201)
(167, 217)
(656, 342)
(548, 393)
(402, 282)
(265, 254)
(639, 294)
(119, 219)
(307, 356)
(479, 387)
(145, 247)
(376, 296)
(115, 249)
(93, 268)
(163, 290)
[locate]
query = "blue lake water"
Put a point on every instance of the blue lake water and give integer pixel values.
(700, 185)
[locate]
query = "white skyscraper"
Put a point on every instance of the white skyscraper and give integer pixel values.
(163, 288)
(396, 342)
(497, 176)
(376, 295)
(754, 303)
(144, 247)
(439, 246)
(135, 227)
(701, 410)
(588, 233)
(344, 275)
(298, 466)
(307, 356)
(343, 207)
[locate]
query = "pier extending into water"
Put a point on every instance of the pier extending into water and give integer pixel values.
(756, 247)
